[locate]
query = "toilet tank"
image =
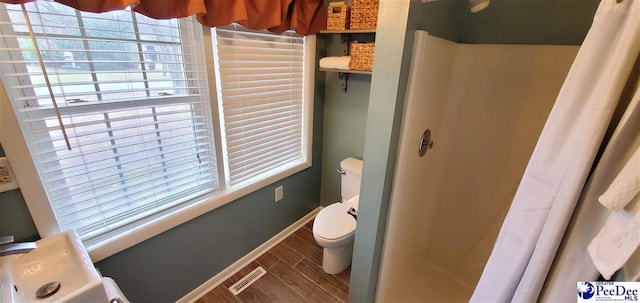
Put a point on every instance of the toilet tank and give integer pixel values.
(351, 179)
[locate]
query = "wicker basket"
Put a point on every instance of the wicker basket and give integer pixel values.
(364, 14)
(362, 56)
(338, 16)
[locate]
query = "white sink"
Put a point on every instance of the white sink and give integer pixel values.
(60, 258)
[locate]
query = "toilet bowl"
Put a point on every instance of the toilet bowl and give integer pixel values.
(335, 225)
(334, 229)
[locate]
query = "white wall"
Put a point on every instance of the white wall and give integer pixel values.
(485, 105)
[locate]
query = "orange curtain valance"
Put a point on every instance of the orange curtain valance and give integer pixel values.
(306, 17)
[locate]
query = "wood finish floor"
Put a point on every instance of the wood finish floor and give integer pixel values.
(294, 274)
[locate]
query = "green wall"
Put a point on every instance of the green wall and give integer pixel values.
(531, 22)
(345, 117)
(15, 219)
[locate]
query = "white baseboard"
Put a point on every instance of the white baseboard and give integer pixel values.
(246, 259)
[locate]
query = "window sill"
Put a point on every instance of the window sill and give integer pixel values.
(106, 248)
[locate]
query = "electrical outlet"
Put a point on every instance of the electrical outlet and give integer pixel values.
(279, 193)
(7, 180)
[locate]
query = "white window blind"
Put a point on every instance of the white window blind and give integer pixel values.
(260, 79)
(133, 97)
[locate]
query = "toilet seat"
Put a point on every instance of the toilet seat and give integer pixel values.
(333, 223)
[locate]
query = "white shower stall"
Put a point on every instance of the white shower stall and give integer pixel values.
(485, 106)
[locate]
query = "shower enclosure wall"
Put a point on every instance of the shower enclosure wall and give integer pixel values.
(485, 106)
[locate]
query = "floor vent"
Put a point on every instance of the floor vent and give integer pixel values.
(241, 285)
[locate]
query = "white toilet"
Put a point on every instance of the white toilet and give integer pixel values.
(334, 228)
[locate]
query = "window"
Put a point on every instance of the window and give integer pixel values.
(150, 147)
(133, 97)
(260, 79)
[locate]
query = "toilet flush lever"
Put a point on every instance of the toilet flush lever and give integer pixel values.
(353, 212)
(340, 171)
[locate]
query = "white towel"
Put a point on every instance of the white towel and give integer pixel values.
(616, 241)
(335, 62)
(625, 186)
(619, 238)
(632, 269)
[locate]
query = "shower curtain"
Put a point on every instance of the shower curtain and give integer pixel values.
(566, 152)
(573, 262)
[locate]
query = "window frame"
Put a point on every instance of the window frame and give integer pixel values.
(42, 213)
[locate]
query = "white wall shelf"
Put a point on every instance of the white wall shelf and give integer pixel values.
(345, 38)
